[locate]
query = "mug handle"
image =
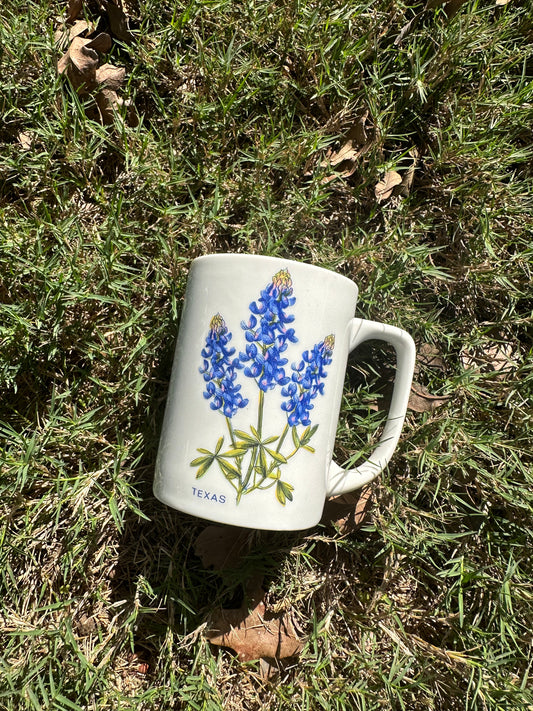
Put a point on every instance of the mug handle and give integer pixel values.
(340, 481)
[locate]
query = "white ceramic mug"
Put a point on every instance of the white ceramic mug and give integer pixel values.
(256, 388)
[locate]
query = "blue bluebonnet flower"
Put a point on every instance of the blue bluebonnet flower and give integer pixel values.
(267, 333)
(307, 382)
(220, 369)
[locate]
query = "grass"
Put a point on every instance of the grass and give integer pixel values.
(428, 604)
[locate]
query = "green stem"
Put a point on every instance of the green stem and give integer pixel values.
(230, 430)
(259, 486)
(292, 453)
(282, 438)
(255, 450)
(260, 413)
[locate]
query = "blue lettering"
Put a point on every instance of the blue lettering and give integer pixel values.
(202, 494)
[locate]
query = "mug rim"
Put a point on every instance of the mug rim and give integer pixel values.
(221, 256)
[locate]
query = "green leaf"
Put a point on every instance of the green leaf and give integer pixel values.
(263, 466)
(219, 445)
(280, 494)
(236, 452)
(295, 438)
(255, 433)
(204, 467)
(245, 437)
(229, 470)
(287, 489)
(307, 434)
(275, 474)
(269, 440)
(201, 460)
(277, 456)
(309, 448)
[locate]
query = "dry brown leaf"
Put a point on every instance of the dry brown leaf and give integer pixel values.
(118, 21)
(254, 633)
(497, 358)
(429, 356)
(354, 140)
(502, 2)
(113, 77)
(26, 139)
(108, 102)
(406, 29)
(348, 511)
(221, 547)
(101, 43)
(421, 400)
(409, 175)
(385, 187)
(85, 625)
(79, 64)
(356, 143)
(74, 9)
(268, 671)
(78, 28)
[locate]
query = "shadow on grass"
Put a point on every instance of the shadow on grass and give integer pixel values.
(174, 570)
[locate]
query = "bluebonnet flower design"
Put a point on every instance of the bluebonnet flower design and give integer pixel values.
(307, 382)
(220, 370)
(253, 459)
(267, 333)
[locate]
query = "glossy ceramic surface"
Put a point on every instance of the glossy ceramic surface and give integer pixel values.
(255, 392)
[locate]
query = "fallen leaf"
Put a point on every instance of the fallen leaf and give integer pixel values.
(74, 9)
(78, 28)
(85, 625)
(354, 140)
(421, 400)
(348, 511)
(502, 2)
(25, 138)
(101, 43)
(500, 357)
(429, 356)
(385, 187)
(79, 64)
(406, 29)
(409, 175)
(108, 102)
(113, 77)
(268, 671)
(253, 633)
(355, 144)
(118, 21)
(221, 547)
(65, 34)
(497, 358)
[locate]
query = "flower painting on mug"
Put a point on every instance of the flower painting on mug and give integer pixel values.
(254, 460)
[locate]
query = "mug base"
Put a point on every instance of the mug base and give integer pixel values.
(242, 519)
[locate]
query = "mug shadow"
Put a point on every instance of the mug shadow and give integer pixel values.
(174, 573)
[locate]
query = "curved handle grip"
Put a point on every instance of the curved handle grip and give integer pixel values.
(341, 481)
